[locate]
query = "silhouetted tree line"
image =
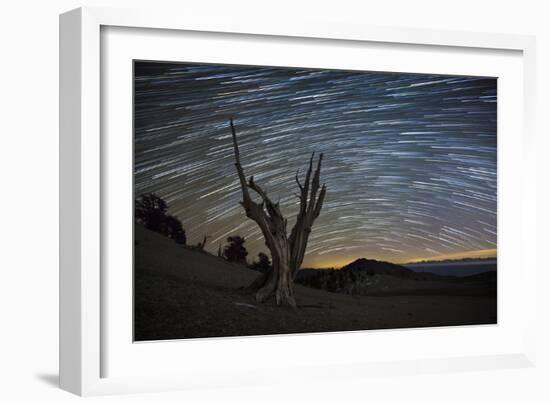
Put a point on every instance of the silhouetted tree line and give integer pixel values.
(152, 212)
(324, 279)
(332, 280)
(360, 272)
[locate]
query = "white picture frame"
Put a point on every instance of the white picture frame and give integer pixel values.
(83, 171)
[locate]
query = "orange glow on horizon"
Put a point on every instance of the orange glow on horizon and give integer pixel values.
(339, 262)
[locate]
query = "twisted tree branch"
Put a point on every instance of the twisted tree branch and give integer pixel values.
(287, 252)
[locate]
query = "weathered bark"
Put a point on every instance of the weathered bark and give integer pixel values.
(287, 253)
(309, 211)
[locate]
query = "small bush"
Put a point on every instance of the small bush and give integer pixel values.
(152, 212)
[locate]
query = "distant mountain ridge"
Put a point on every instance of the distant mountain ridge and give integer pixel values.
(372, 267)
(457, 261)
(459, 268)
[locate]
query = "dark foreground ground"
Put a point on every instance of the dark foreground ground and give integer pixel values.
(183, 293)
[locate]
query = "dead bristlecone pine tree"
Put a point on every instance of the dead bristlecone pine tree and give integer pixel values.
(287, 251)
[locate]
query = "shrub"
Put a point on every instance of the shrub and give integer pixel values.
(263, 263)
(235, 251)
(151, 211)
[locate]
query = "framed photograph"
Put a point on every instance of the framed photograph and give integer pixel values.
(238, 197)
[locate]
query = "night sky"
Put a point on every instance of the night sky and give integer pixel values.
(409, 159)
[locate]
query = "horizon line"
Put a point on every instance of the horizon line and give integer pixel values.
(475, 254)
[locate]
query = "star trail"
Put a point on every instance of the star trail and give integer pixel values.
(410, 160)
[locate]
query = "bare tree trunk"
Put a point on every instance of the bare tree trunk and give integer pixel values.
(309, 211)
(287, 254)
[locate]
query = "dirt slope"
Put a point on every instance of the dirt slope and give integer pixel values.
(184, 293)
